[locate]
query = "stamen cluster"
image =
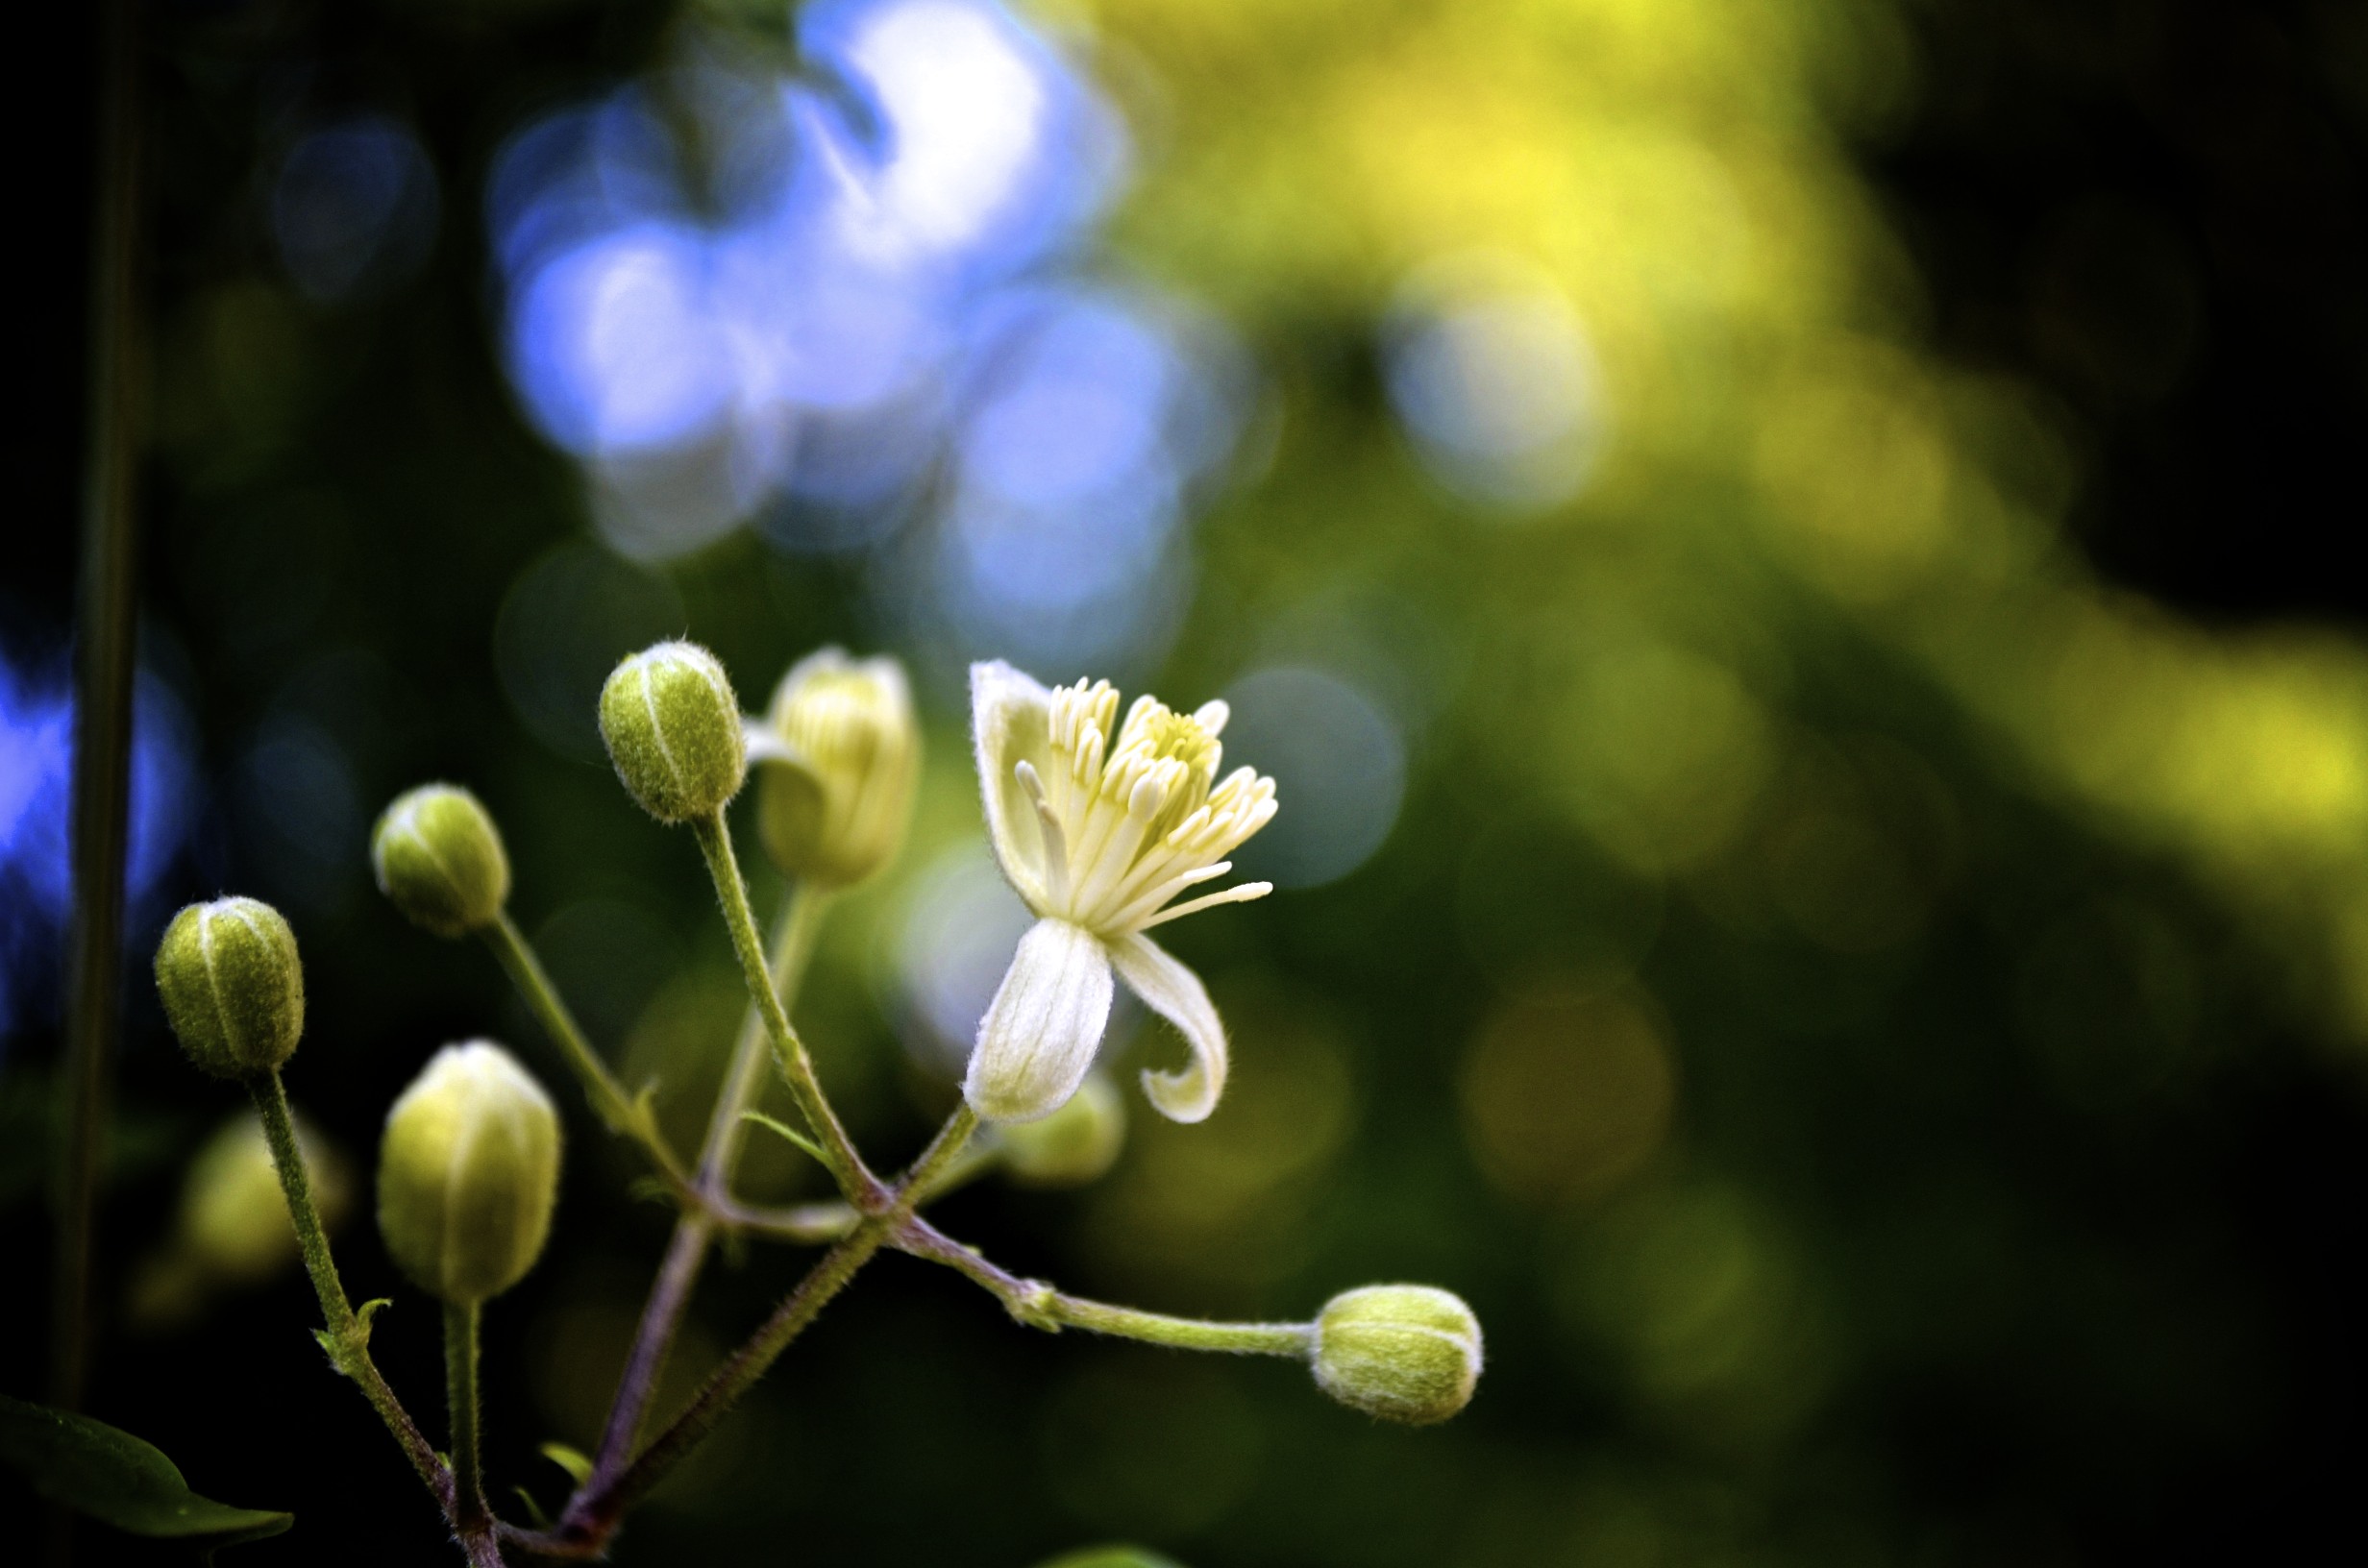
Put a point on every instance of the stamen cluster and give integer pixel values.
(1129, 826)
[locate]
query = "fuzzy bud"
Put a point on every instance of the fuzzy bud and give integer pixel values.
(1405, 1353)
(673, 728)
(468, 1173)
(841, 752)
(234, 988)
(233, 1216)
(1076, 1145)
(233, 1227)
(439, 859)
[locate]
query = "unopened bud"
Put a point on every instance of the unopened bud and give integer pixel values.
(439, 860)
(234, 988)
(234, 1227)
(673, 729)
(234, 1215)
(1076, 1145)
(840, 753)
(468, 1173)
(1406, 1352)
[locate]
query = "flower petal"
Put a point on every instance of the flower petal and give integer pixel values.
(1039, 1036)
(1175, 993)
(765, 743)
(1011, 724)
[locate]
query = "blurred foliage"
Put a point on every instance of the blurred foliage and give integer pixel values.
(1868, 1015)
(111, 1475)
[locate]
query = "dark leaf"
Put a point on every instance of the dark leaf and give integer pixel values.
(114, 1477)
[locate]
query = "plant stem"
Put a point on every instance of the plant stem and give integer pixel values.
(855, 1180)
(827, 1278)
(105, 629)
(593, 1514)
(470, 1515)
(976, 1160)
(927, 1173)
(1292, 1340)
(347, 1338)
(296, 1182)
(669, 1294)
(737, 1375)
(794, 936)
(661, 1317)
(1039, 1306)
(609, 1100)
(809, 1223)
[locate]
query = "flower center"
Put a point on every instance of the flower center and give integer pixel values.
(1130, 825)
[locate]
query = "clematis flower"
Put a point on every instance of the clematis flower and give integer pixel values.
(1098, 835)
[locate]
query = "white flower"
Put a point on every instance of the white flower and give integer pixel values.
(1097, 836)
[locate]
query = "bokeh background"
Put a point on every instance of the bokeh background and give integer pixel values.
(1788, 556)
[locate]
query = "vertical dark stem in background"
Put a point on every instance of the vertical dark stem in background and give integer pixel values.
(104, 652)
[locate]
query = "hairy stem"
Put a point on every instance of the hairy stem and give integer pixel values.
(609, 1100)
(592, 1516)
(347, 1337)
(470, 1515)
(669, 1294)
(736, 1376)
(855, 1180)
(1039, 1306)
(661, 1316)
(296, 1182)
(725, 1387)
(794, 934)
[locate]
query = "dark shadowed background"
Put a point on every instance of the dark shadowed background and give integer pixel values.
(1788, 559)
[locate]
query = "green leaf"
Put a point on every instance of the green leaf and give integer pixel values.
(791, 1133)
(114, 1477)
(637, 1118)
(578, 1467)
(1110, 1557)
(535, 1515)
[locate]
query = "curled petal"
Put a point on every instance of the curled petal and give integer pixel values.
(1011, 724)
(1175, 993)
(1039, 1036)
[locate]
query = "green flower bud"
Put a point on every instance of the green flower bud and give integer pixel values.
(234, 1215)
(841, 752)
(673, 728)
(468, 1173)
(233, 1228)
(439, 859)
(1074, 1146)
(1404, 1353)
(234, 988)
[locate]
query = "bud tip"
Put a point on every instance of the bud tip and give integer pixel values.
(439, 859)
(233, 985)
(671, 725)
(1404, 1353)
(468, 1173)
